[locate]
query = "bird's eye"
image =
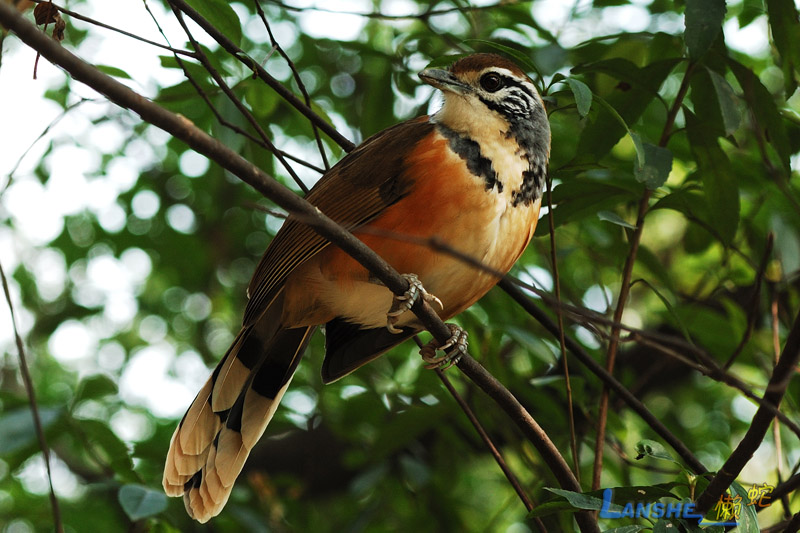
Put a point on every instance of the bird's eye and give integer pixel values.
(491, 82)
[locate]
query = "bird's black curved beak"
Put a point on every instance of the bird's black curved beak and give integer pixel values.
(443, 80)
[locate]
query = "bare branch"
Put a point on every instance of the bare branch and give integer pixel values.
(596, 368)
(84, 18)
(781, 375)
(251, 63)
(297, 79)
(37, 421)
(201, 56)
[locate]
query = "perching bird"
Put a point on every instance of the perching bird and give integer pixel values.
(470, 175)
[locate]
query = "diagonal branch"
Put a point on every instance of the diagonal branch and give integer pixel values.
(201, 56)
(776, 388)
(198, 140)
(297, 79)
(262, 73)
(596, 368)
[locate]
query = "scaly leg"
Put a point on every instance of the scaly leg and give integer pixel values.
(401, 304)
(454, 348)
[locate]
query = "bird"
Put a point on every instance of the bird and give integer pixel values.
(469, 176)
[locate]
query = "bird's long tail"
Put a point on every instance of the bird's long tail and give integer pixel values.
(229, 415)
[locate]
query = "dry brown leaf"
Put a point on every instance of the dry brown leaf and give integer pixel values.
(58, 30)
(45, 13)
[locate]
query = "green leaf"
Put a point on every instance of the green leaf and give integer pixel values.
(96, 386)
(579, 198)
(582, 501)
(109, 447)
(625, 529)
(751, 10)
(670, 309)
(610, 216)
(113, 71)
(653, 164)
(719, 179)
(616, 67)
(715, 103)
(785, 25)
(582, 94)
(623, 106)
(748, 520)
(644, 493)
(552, 507)
(637, 141)
(767, 117)
(703, 20)
(221, 15)
(651, 448)
(140, 502)
(19, 430)
(728, 102)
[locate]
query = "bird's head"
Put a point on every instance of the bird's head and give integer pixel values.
(491, 93)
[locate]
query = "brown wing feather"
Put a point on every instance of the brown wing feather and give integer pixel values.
(353, 192)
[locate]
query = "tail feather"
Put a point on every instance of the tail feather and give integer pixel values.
(190, 443)
(259, 372)
(198, 425)
(232, 373)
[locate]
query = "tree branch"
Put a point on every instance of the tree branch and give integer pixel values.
(88, 20)
(37, 421)
(776, 388)
(182, 128)
(624, 290)
(596, 368)
(262, 73)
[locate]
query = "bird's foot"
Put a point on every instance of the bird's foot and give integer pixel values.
(454, 348)
(404, 303)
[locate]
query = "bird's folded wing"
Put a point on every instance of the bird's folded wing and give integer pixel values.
(352, 193)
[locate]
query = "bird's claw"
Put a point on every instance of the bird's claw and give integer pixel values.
(454, 348)
(404, 303)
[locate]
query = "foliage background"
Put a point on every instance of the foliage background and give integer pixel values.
(126, 295)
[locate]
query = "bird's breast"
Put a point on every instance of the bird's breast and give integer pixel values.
(444, 230)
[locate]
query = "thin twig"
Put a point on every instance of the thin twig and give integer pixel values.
(41, 136)
(84, 18)
(776, 388)
(200, 91)
(573, 443)
(611, 355)
(753, 306)
(297, 79)
(625, 285)
(201, 56)
(596, 368)
(251, 63)
(512, 479)
(37, 421)
(710, 369)
(776, 426)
